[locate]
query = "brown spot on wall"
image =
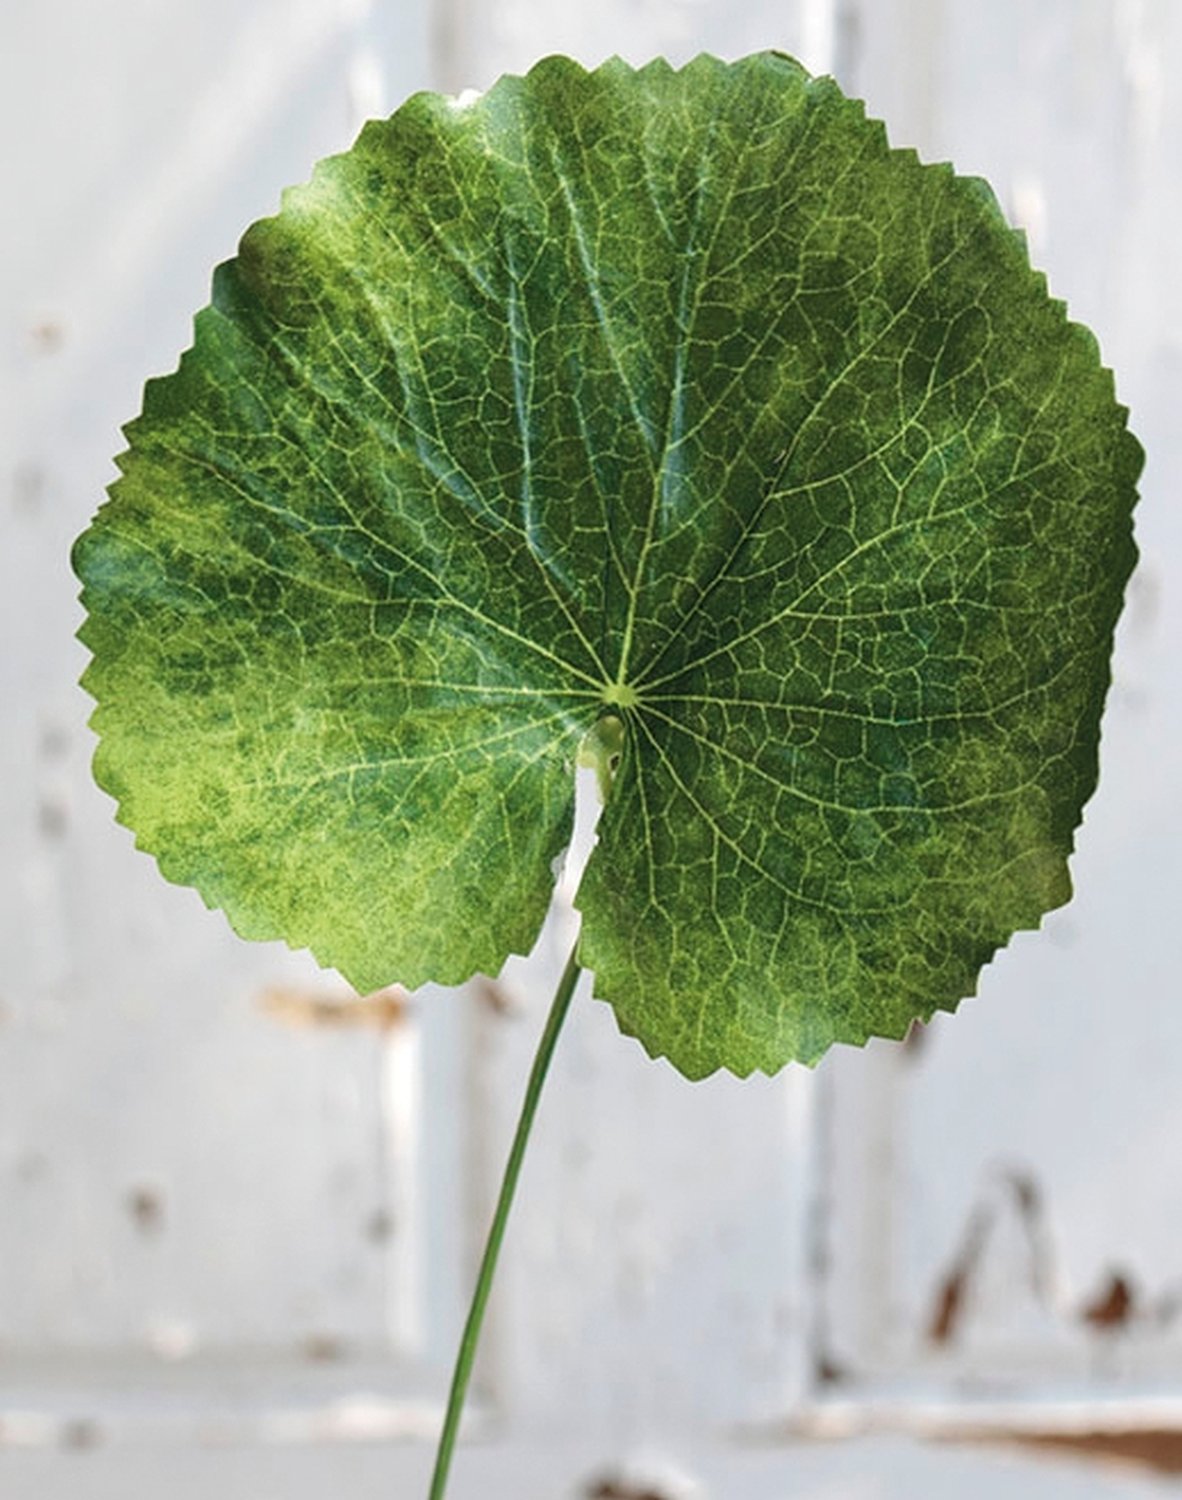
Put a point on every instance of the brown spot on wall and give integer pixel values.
(324, 1348)
(952, 1290)
(495, 997)
(145, 1204)
(620, 1489)
(828, 1371)
(949, 1304)
(382, 1011)
(1114, 1305)
(951, 1297)
(47, 336)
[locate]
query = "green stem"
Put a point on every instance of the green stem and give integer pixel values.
(492, 1249)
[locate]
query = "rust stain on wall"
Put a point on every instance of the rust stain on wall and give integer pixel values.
(1113, 1306)
(616, 1489)
(1117, 1305)
(382, 1011)
(1022, 1194)
(949, 1304)
(1156, 1449)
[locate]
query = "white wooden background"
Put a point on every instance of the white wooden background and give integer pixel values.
(235, 1235)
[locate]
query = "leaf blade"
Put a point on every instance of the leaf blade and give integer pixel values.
(672, 394)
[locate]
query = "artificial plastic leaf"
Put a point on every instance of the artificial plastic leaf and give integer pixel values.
(670, 397)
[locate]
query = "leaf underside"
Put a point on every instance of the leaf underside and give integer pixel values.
(674, 395)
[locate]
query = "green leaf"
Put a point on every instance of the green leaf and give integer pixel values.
(674, 397)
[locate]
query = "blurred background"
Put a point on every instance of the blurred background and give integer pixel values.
(239, 1215)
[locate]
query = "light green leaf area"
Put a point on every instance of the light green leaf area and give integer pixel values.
(670, 396)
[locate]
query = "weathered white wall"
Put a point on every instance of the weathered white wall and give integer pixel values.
(178, 1168)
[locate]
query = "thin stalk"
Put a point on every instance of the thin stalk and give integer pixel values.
(492, 1249)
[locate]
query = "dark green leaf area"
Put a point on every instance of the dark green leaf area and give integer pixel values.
(366, 793)
(871, 865)
(671, 395)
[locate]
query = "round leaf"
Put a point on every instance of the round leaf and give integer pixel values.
(674, 398)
